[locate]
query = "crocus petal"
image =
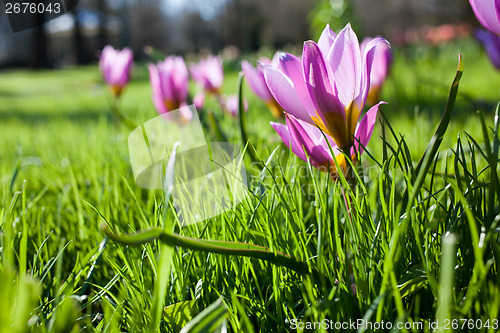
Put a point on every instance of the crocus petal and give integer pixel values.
(292, 67)
(320, 139)
(284, 92)
(368, 59)
(256, 81)
(208, 73)
(214, 72)
(345, 61)
(199, 100)
(173, 79)
(180, 78)
(166, 87)
(169, 82)
(157, 97)
(317, 76)
(186, 112)
(382, 59)
(491, 44)
(308, 137)
(283, 132)
(275, 61)
(487, 13)
(497, 9)
(159, 104)
(195, 71)
(104, 61)
(232, 105)
(364, 129)
(116, 66)
(121, 68)
(326, 39)
(319, 84)
(154, 79)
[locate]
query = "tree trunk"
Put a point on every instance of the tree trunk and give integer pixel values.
(40, 41)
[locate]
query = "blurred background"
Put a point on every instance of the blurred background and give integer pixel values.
(229, 26)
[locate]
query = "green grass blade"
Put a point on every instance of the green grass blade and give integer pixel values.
(178, 315)
(86, 284)
(421, 171)
(166, 253)
(242, 120)
(17, 169)
(215, 127)
(24, 235)
(430, 153)
(492, 155)
(207, 320)
(448, 259)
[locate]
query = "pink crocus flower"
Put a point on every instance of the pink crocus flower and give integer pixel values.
(491, 43)
(209, 74)
(199, 100)
(382, 60)
(255, 79)
(487, 13)
(307, 141)
(232, 104)
(169, 81)
(329, 86)
(116, 67)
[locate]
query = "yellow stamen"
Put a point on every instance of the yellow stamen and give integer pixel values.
(373, 96)
(335, 127)
(343, 165)
(275, 108)
(352, 115)
(116, 90)
(171, 105)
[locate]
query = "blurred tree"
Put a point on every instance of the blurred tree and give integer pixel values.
(102, 8)
(148, 24)
(40, 50)
(80, 56)
(391, 18)
(78, 40)
(335, 12)
(286, 22)
(249, 24)
(241, 24)
(197, 34)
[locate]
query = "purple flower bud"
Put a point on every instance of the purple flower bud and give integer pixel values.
(115, 68)
(169, 80)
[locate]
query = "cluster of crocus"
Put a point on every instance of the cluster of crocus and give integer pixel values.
(382, 60)
(116, 67)
(488, 14)
(327, 89)
(255, 79)
(169, 81)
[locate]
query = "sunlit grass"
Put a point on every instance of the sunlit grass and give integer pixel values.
(63, 159)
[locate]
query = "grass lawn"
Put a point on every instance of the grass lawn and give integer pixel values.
(65, 171)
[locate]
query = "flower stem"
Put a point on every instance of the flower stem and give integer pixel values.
(115, 109)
